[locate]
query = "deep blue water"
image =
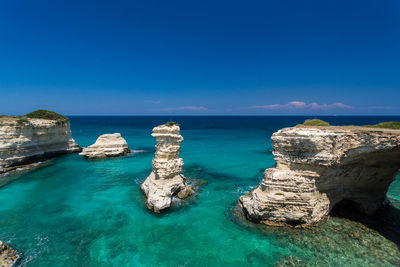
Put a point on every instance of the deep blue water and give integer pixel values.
(77, 212)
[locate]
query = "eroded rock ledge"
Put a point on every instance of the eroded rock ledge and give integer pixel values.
(33, 140)
(107, 145)
(165, 180)
(318, 167)
(8, 255)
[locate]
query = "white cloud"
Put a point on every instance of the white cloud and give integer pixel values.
(296, 105)
(191, 108)
(153, 101)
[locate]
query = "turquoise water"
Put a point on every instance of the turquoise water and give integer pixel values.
(77, 212)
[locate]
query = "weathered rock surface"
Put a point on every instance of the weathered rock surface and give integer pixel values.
(165, 180)
(318, 167)
(107, 145)
(32, 141)
(8, 256)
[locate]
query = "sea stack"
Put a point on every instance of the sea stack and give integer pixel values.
(318, 167)
(27, 140)
(165, 180)
(107, 145)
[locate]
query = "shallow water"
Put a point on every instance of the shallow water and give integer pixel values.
(77, 212)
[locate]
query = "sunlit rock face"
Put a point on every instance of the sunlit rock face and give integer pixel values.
(165, 180)
(32, 141)
(107, 145)
(8, 255)
(318, 167)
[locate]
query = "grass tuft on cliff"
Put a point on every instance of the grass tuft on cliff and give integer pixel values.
(170, 123)
(314, 122)
(46, 114)
(387, 125)
(22, 119)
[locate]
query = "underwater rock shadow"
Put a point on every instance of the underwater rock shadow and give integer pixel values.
(197, 171)
(9, 177)
(330, 240)
(386, 220)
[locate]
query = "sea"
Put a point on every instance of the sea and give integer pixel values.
(77, 212)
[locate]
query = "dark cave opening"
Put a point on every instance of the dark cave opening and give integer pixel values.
(385, 220)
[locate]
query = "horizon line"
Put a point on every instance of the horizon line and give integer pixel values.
(232, 115)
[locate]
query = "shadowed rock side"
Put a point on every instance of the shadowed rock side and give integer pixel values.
(107, 145)
(8, 256)
(165, 180)
(33, 140)
(317, 167)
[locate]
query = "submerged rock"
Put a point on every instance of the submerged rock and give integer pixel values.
(290, 261)
(348, 238)
(166, 179)
(33, 140)
(107, 145)
(8, 255)
(185, 193)
(318, 167)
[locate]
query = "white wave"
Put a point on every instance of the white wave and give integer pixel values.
(138, 151)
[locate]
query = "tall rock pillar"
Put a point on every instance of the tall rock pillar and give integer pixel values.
(165, 181)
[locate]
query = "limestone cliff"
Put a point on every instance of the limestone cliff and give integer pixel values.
(318, 167)
(33, 140)
(165, 180)
(107, 145)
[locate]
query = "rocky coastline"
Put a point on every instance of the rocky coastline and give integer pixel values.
(33, 140)
(8, 256)
(165, 181)
(319, 167)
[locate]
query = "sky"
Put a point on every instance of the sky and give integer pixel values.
(200, 57)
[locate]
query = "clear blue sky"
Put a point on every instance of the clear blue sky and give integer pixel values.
(200, 57)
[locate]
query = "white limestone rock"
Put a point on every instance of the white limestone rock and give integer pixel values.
(165, 180)
(8, 255)
(107, 145)
(317, 167)
(33, 140)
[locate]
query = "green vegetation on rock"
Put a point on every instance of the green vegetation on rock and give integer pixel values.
(46, 114)
(387, 125)
(318, 122)
(22, 119)
(314, 122)
(170, 123)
